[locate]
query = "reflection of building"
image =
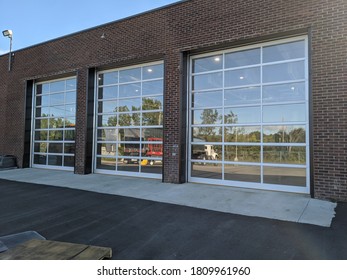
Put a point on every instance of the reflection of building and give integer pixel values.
(201, 83)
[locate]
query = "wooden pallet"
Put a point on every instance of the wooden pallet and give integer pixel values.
(55, 250)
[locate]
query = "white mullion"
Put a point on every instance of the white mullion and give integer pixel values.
(261, 120)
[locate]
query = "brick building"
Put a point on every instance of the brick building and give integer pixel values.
(248, 93)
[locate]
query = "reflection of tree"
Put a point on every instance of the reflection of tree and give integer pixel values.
(296, 135)
(153, 118)
(209, 116)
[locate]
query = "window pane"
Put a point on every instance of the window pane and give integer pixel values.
(70, 110)
(153, 72)
(55, 148)
(42, 112)
(207, 63)
(242, 77)
(284, 72)
(284, 113)
(207, 99)
(240, 115)
(106, 163)
(70, 97)
(57, 86)
(284, 93)
(55, 160)
(69, 161)
(207, 170)
(208, 81)
(149, 133)
(130, 75)
(242, 173)
(40, 159)
(152, 149)
(284, 134)
(153, 87)
(130, 90)
(42, 100)
(129, 119)
(207, 134)
(129, 105)
(155, 118)
(207, 116)
(284, 51)
(55, 135)
(130, 134)
(206, 152)
(108, 134)
(57, 111)
(242, 58)
(286, 155)
(130, 150)
(108, 92)
(109, 78)
(242, 134)
(248, 95)
(57, 98)
(107, 149)
(41, 123)
(107, 107)
(40, 147)
(56, 123)
(69, 135)
(41, 135)
(285, 176)
(69, 148)
(70, 122)
(152, 103)
(71, 84)
(242, 153)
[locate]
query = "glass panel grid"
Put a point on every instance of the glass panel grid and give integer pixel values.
(54, 124)
(130, 130)
(260, 121)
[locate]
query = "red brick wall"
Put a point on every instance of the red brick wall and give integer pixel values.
(197, 25)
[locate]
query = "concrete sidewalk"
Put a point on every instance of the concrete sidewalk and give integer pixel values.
(257, 203)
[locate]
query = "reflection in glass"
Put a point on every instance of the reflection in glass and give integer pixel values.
(107, 120)
(108, 92)
(210, 63)
(152, 87)
(55, 148)
(284, 113)
(69, 135)
(130, 90)
(70, 97)
(153, 72)
(130, 75)
(70, 122)
(55, 160)
(40, 159)
(105, 163)
(242, 134)
(56, 123)
(155, 118)
(109, 78)
(208, 81)
(57, 86)
(108, 134)
(57, 111)
(130, 134)
(129, 119)
(42, 100)
(69, 148)
(241, 96)
(207, 170)
(284, 51)
(40, 147)
(207, 134)
(57, 98)
(42, 112)
(149, 133)
(41, 123)
(285, 176)
(243, 173)
(128, 165)
(106, 149)
(206, 152)
(284, 134)
(129, 105)
(242, 58)
(71, 84)
(284, 72)
(152, 103)
(207, 99)
(207, 116)
(69, 161)
(240, 115)
(55, 135)
(285, 155)
(242, 77)
(41, 135)
(242, 153)
(284, 92)
(107, 107)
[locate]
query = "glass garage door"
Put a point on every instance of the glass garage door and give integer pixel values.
(129, 124)
(249, 117)
(54, 124)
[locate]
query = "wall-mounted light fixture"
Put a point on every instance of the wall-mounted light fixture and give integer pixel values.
(8, 33)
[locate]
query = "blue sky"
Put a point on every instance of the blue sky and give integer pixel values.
(37, 21)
